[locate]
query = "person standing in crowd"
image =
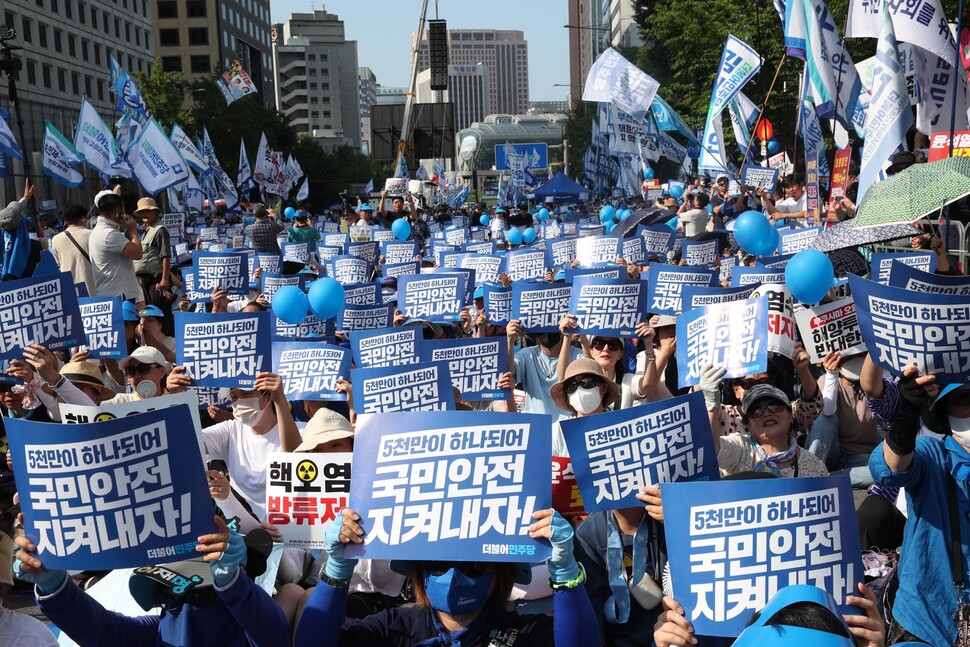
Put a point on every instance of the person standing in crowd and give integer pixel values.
(419, 229)
(793, 206)
(20, 254)
(498, 225)
(397, 209)
(70, 247)
(360, 230)
(154, 267)
(536, 368)
(112, 252)
(302, 230)
(263, 232)
(693, 214)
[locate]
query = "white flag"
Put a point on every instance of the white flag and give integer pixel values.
(94, 141)
(921, 23)
(304, 191)
(189, 152)
(934, 78)
(192, 192)
(264, 170)
(155, 160)
(60, 156)
(739, 64)
(616, 80)
(244, 178)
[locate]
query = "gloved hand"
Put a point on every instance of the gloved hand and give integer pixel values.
(904, 428)
(338, 567)
(46, 581)
(710, 386)
(550, 525)
(225, 568)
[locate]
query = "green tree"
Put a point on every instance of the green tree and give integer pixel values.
(164, 94)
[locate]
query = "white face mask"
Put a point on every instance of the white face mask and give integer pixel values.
(146, 389)
(247, 411)
(585, 401)
(960, 428)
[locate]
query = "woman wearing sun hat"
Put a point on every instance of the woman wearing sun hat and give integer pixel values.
(154, 267)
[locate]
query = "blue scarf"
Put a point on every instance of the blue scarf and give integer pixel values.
(16, 252)
(772, 462)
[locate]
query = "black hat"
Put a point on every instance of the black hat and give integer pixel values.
(901, 161)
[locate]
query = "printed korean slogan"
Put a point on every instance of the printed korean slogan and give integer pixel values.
(916, 280)
(421, 387)
(742, 541)
(116, 494)
(498, 304)
(223, 349)
(309, 370)
(666, 282)
(833, 326)
(353, 318)
(463, 490)
(305, 492)
(881, 263)
(229, 271)
(104, 327)
(433, 298)
(386, 347)
(616, 453)
(475, 365)
(733, 335)
(607, 307)
(540, 307)
(39, 310)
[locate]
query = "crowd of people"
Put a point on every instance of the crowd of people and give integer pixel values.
(607, 581)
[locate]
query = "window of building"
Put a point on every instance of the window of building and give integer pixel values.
(314, 100)
(72, 45)
(311, 57)
(97, 54)
(31, 73)
(42, 34)
(82, 15)
(199, 64)
(326, 114)
(172, 63)
(168, 37)
(313, 86)
(40, 3)
(84, 49)
(195, 8)
(69, 8)
(198, 36)
(100, 90)
(117, 27)
(8, 20)
(76, 83)
(314, 114)
(313, 72)
(128, 32)
(46, 74)
(57, 40)
(54, 6)
(167, 9)
(137, 37)
(94, 16)
(61, 80)
(324, 57)
(87, 86)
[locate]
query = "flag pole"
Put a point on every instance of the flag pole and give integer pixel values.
(764, 104)
(957, 68)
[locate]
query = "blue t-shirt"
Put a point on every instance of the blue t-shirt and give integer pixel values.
(538, 373)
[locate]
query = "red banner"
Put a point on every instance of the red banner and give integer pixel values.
(565, 492)
(840, 178)
(940, 145)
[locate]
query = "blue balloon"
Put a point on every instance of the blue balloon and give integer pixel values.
(773, 243)
(326, 297)
(607, 211)
(514, 236)
(773, 146)
(542, 214)
(290, 304)
(753, 232)
(648, 173)
(677, 191)
(529, 235)
(809, 275)
(289, 212)
(609, 227)
(401, 228)
(672, 223)
(484, 219)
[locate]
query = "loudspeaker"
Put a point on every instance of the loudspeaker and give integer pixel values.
(385, 123)
(438, 53)
(434, 130)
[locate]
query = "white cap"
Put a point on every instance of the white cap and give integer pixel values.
(101, 194)
(146, 355)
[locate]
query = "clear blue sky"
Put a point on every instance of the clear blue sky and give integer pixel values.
(386, 50)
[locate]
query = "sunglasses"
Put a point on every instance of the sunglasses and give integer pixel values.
(612, 344)
(586, 382)
(768, 408)
(141, 369)
(470, 569)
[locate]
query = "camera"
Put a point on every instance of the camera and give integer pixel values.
(8, 63)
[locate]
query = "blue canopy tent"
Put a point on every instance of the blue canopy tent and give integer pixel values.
(561, 187)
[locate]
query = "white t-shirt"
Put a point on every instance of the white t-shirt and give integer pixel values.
(794, 206)
(114, 275)
(247, 456)
(694, 221)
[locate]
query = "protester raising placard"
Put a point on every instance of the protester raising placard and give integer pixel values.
(666, 282)
(438, 298)
(540, 306)
(40, 310)
(387, 346)
(223, 349)
(830, 327)
(104, 327)
(733, 335)
(305, 492)
(609, 308)
(475, 365)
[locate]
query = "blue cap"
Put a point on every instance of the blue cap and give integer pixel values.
(366, 207)
(479, 293)
(129, 311)
(946, 390)
(151, 311)
(500, 210)
(560, 276)
(766, 635)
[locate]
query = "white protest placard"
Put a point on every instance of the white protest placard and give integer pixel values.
(781, 318)
(833, 326)
(304, 493)
(396, 186)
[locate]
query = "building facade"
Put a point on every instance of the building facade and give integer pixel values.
(318, 79)
(468, 91)
(368, 97)
(595, 25)
(199, 37)
(504, 54)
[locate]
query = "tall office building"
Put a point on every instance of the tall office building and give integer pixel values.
(468, 91)
(504, 54)
(318, 78)
(589, 36)
(199, 37)
(368, 97)
(624, 31)
(66, 47)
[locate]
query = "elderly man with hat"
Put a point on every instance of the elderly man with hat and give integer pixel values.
(114, 246)
(155, 264)
(360, 229)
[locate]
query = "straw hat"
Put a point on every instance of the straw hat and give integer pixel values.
(87, 373)
(578, 367)
(325, 426)
(146, 204)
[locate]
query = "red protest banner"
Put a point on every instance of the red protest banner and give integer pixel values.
(840, 178)
(940, 145)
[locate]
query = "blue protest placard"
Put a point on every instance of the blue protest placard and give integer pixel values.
(526, 264)
(191, 292)
(911, 278)
(607, 307)
(387, 346)
(614, 273)
(309, 370)
(209, 233)
(616, 453)
(336, 240)
(437, 297)
(438, 483)
(270, 283)
(633, 250)
(115, 494)
(379, 235)
(666, 282)
(229, 271)
(269, 262)
(796, 240)
(347, 270)
(40, 310)
(363, 294)
(726, 266)
(657, 239)
(449, 260)
(419, 387)
(326, 252)
(498, 304)
(400, 269)
(744, 276)
(396, 251)
(475, 365)
(774, 263)
(223, 349)
(741, 541)
(540, 306)
(369, 251)
(456, 236)
(487, 267)
(901, 327)
(598, 251)
(586, 231)
(296, 252)
(467, 272)
(365, 317)
(561, 252)
(695, 296)
(733, 335)
(438, 250)
(312, 327)
(104, 327)
(699, 253)
(754, 176)
(483, 247)
(881, 263)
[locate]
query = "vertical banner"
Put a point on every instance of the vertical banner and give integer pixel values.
(540, 307)
(441, 484)
(902, 328)
(419, 387)
(608, 308)
(438, 298)
(115, 494)
(387, 347)
(665, 283)
(830, 327)
(223, 349)
(732, 335)
(742, 541)
(475, 365)
(616, 453)
(229, 271)
(304, 493)
(39, 310)
(310, 370)
(104, 327)
(781, 318)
